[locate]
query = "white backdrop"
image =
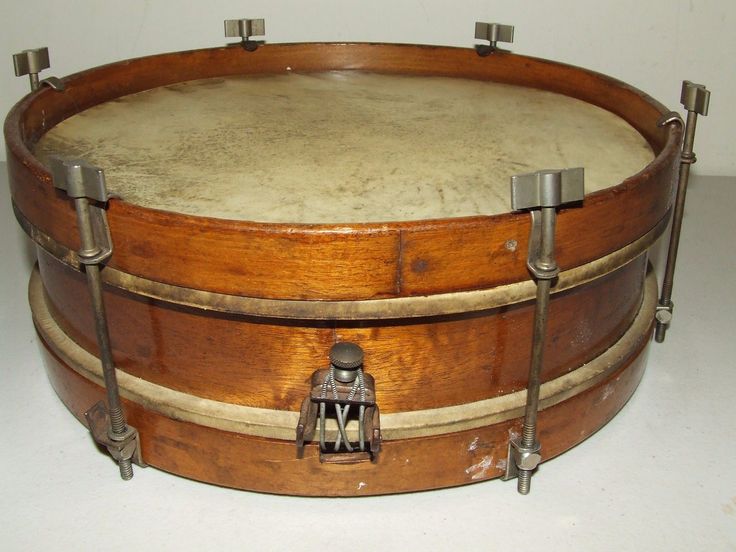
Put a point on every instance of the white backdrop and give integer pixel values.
(651, 44)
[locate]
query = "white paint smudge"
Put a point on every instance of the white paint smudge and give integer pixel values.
(478, 471)
(362, 484)
(474, 445)
(607, 392)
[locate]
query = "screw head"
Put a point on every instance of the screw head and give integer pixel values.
(663, 314)
(346, 358)
(529, 460)
(346, 355)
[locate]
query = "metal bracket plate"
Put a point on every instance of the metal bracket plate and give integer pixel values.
(519, 457)
(125, 447)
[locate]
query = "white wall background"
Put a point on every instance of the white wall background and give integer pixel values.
(651, 44)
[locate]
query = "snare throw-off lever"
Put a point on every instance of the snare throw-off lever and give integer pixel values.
(342, 393)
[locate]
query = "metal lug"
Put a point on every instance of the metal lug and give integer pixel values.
(245, 29)
(669, 118)
(55, 83)
(493, 33)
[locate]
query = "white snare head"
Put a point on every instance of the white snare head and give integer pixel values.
(342, 147)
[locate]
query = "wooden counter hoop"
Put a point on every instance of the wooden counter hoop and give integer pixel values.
(341, 262)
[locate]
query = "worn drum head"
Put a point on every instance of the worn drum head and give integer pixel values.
(342, 146)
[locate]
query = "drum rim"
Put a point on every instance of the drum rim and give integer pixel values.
(23, 165)
(18, 145)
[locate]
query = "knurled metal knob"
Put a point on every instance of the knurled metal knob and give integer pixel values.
(346, 358)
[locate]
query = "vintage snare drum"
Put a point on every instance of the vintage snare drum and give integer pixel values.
(314, 279)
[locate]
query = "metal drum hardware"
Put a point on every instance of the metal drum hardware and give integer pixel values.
(541, 193)
(86, 185)
(245, 29)
(334, 391)
(493, 33)
(695, 99)
(31, 63)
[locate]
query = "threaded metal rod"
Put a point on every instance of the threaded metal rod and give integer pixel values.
(686, 159)
(546, 262)
(118, 426)
(529, 431)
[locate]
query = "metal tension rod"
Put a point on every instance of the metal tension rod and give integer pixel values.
(695, 99)
(31, 63)
(85, 183)
(541, 193)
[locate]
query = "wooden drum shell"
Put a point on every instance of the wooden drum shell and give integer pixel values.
(240, 313)
(419, 363)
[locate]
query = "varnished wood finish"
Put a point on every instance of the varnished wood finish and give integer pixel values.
(418, 363)
(336, 262)
(270, 465)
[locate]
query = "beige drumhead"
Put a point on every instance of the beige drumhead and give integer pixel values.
(342, 147)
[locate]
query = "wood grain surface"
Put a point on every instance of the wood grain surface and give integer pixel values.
(418, 363)
(342, 262)
(270, 465)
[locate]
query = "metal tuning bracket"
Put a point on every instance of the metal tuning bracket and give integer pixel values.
(31, 63)
(493, 33)
(541, 193)
(334, 392)
(245, 29)
(85, 184)
(695, 98)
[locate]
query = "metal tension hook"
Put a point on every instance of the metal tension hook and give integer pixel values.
(86, 184)
(695, 99)
(493, 33)
(31, 63)
(541, 193)
(245, 29)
